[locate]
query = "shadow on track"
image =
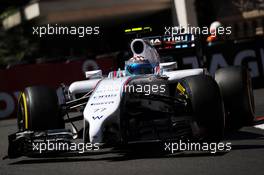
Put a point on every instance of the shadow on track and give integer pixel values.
(115, 158)
(143, 151)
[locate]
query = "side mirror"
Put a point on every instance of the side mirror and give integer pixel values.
(95, 74)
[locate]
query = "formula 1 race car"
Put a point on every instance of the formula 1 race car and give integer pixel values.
(147, 101)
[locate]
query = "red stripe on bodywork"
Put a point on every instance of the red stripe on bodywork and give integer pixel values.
(127, 81)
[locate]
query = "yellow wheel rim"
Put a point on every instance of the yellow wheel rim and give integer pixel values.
(23, 96)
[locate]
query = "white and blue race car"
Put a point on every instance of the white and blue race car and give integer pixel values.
(147, 101)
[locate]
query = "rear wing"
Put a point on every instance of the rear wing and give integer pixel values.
(162, 42)
(172, 41)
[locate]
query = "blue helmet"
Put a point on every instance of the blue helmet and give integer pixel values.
(136, 67)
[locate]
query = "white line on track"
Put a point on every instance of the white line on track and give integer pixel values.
(261, 126)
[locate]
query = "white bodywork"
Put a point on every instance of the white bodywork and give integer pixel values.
(93, 74)
(82, 86)
(103, 105)
(179, 74)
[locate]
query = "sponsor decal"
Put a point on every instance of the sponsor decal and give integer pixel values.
(180, 88)
(97, 117)
(7, 103)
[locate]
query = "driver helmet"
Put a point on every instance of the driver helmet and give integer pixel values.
(137, 65)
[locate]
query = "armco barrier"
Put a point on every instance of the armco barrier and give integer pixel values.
(16, 78)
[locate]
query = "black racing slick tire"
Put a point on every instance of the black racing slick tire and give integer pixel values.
(207, 105)
(236, 88)
(38, 109)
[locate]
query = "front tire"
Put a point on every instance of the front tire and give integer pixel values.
(38, 109)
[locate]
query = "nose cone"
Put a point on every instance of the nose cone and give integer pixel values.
(95, 134)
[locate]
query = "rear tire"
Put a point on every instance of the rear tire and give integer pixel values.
(236, 88)
(38, 109)
(207, 105)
